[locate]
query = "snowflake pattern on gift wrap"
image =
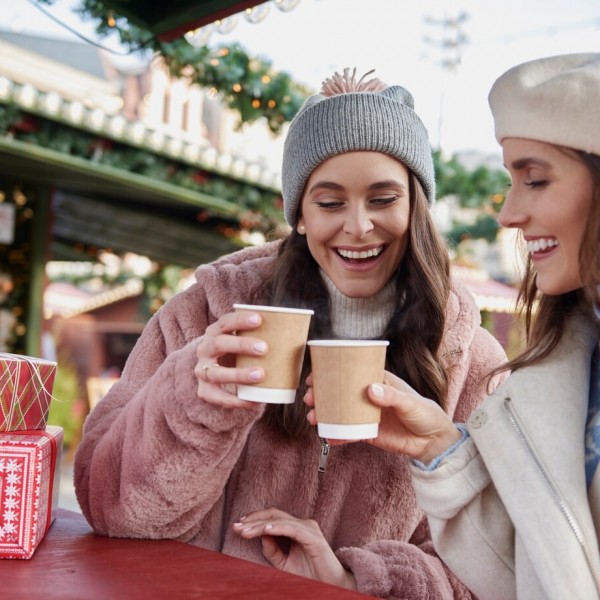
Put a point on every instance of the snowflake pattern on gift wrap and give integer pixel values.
(26, 500)
(11, 477)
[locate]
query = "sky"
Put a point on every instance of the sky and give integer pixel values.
(400, 39)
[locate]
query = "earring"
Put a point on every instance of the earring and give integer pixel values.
(301, 229)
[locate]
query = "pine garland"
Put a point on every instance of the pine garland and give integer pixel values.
(259, 210)
(249, 86)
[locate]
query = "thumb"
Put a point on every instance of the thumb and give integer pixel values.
(400, 397)
(272, 552)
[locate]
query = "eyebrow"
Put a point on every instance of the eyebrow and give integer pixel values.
(521, 163)
(378, 185)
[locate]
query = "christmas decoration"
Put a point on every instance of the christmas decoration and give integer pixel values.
(248, 85)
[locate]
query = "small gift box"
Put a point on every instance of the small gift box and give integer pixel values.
(29, 487)
(25, 391)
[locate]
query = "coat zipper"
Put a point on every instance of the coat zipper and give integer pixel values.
(566, 511)
(325, 447)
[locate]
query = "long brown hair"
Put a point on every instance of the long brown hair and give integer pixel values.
(415, 330)
(545, 316)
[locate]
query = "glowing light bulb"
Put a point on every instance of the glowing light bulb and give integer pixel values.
(257, 13)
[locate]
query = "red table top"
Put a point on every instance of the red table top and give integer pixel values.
(72, 563)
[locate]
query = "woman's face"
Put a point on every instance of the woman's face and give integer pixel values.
(549, 201)
(356, 213)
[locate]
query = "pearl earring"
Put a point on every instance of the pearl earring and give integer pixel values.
(301, 229)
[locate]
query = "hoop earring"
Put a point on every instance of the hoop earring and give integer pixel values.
(301, 229)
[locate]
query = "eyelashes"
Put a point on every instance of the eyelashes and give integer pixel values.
(536, 183)
(380, 201)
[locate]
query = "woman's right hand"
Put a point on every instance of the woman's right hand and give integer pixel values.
(410, 424)
(215, 369)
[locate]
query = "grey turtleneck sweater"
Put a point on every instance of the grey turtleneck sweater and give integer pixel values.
(360, 318)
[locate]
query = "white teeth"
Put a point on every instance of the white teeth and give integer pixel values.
(541, 244)
(362, 254)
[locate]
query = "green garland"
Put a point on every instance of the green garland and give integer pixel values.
(249, 86)
(259, 210)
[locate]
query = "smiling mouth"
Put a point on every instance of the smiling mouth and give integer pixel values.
(360, 256)
(541, 245)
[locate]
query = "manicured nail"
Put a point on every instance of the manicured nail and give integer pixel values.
(256, 375)
(260, 347)
(254, 319)
(377, 390)
(237, 524)
(268, 527)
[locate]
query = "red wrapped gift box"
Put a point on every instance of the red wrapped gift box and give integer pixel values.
(25, 391)
(29, 486)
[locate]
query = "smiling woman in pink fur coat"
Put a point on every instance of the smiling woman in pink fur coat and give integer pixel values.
(171, 452)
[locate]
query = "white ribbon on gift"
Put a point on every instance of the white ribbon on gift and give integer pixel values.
(20, 359)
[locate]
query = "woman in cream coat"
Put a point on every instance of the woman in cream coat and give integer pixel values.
(513, 497)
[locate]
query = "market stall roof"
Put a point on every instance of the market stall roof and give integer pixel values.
(490, 295)
(170, 20)
(101, 205)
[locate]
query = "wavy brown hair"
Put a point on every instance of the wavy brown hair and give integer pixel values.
(415, 330)
(546, 316)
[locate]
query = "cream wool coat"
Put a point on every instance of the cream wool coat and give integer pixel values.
(509, 510)
(155, 461)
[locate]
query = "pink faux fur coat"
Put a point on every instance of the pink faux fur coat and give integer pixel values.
(157, 462)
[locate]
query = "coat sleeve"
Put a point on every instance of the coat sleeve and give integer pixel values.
(413, 570)
(455, 535)
(155, 459)
(403, 570)
(470, 527)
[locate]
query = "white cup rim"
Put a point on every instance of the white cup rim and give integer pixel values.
(254, 393)
(349, 431)
(280, 309)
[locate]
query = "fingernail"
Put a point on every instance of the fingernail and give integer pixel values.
(237, 524)
(268, 526)
(260, 347)
(377, 390)
(256, 375)
(254, 319)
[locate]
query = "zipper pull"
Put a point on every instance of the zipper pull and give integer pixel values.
(325, 447)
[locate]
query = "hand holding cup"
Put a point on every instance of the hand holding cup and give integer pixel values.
(285, 331)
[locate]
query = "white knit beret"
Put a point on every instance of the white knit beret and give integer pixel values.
(554, 99)
(382, 121)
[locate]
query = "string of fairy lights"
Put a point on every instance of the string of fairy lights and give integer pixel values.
(201, 36)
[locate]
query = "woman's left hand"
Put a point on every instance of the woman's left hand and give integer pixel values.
(308, 554)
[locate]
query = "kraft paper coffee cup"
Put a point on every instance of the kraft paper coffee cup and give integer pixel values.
(285, 331)
(342, 372)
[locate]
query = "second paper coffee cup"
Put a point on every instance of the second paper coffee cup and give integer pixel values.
(342, 372)
(285, 330)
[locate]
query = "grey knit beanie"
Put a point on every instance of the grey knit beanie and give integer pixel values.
(554, 99)
(380, 121)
